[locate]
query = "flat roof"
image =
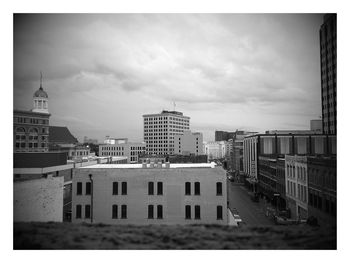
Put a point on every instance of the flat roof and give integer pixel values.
(139, 166)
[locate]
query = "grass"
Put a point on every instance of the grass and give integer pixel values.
(98, 236)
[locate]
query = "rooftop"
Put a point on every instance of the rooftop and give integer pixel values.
(59, 134)
(139, 166)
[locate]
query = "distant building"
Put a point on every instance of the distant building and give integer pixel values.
(61, 139)
(139, 194)
(110, 140)
(160, 129)
(216, 150)
(31, 128)
(316, 126)
(223, 135)
(90, 141)
(131, 150)
(188, 143)
(328, 56)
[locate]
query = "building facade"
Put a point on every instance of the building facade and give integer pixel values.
(160, 129)
(31, 128)
(322, 190)
(297, 186)
(139, 194)
(131, 150)
(328, 56)
(188, 143)
(216, 150)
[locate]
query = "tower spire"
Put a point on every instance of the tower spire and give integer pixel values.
(41, 80)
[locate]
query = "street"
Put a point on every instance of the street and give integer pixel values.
(251, 213)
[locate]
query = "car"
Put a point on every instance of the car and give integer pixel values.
(230, 177)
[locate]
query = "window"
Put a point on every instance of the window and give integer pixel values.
(88, 188)
(218, 188)
(159, 188)
(78, 211)
(150, 211)
(188, 212)
(187, 188)
(115, 188)
(124, 188)
(87, 211)
(79, 188)
(124, 212)
(197, 212)
(114, 211)
(219, 212)
(197, 188)
(150, 188)
(159, 211)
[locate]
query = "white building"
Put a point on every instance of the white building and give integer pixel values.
(216, 150)
(160, 129)
(110, 140)
(121, 147)
(250, 156)
(150, 194)
(188, 143)
(297, 186)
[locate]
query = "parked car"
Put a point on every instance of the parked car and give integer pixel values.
(231, 178)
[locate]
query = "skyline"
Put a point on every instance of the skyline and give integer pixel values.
(216, 67)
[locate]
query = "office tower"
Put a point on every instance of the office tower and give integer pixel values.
(159, 130)
(328, 48)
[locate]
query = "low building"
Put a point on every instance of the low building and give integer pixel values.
(188, 143)
(322, 189)
(216, 150)
(150, 194)
(131, 150)
(297, 186)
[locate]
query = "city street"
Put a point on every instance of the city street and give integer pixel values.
(251, 213)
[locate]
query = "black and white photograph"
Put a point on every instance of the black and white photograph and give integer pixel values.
(174, 130)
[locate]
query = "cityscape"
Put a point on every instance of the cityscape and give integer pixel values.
(175, 131)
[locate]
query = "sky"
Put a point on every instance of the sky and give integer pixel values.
(253, 72)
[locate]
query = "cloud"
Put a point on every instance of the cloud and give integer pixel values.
(260, 63)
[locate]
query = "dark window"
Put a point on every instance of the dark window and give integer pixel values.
(115, 188)
(78, 211)
(197, 212)
(150, 188)
(150, 211)
(218, 188)
(197, 190)
(187, 188)
(79, 188)
(114, 211)
(124, 188)
(159, 188)
(188, 212)
(87, 211)
(159, 211)
(219, 212)
(88, 188)
(124, 211)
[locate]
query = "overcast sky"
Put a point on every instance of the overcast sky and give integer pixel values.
(225, 71)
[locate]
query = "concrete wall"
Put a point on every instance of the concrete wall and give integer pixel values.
(38, 200)
(188, 143)
(137, 199)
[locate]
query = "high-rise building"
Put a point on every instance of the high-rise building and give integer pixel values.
(159, 130)
(328, 53)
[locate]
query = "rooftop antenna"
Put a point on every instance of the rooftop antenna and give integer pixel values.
(41, 80)
(174, 105)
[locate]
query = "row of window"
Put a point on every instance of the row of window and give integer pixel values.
(151, 188)
(150, 213)
(30, 120)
